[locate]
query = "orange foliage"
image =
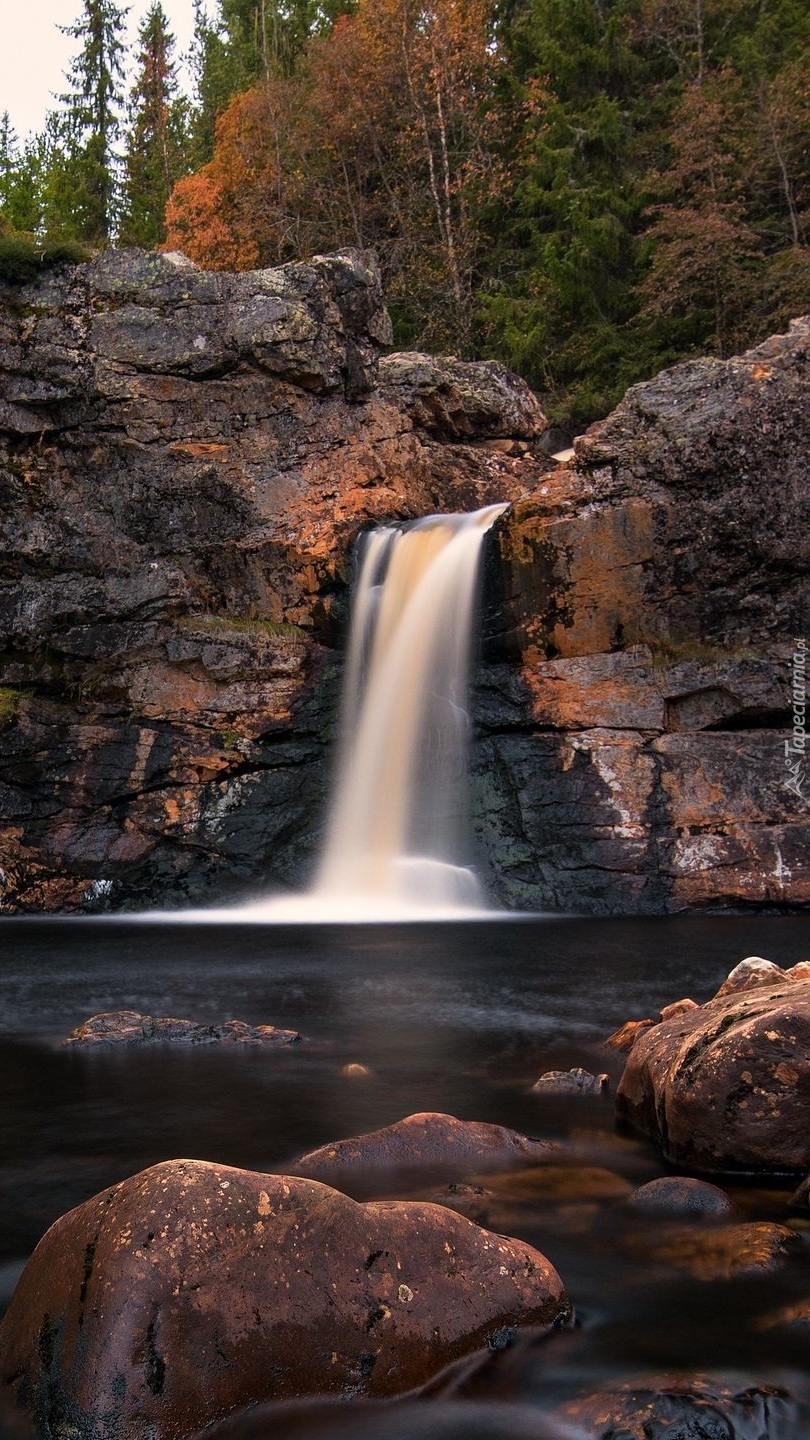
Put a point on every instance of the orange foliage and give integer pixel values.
(381, 139)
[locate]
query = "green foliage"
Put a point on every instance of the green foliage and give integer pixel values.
(156, 146)
(9, 704)
(244, 625)
(22, 257)
(85, 180)
(588, 190)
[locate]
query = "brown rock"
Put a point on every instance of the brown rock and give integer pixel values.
(681, 1195)
(626, 1036)
(751, 974)
(800, 971)
(426, 1141)
(454, 399)
(689, 1405)
(355, 1072)
(727, 1086)
(729, 1252)
(678, 1007)
(130, 1027)
(572, 1082)
(192, 1289)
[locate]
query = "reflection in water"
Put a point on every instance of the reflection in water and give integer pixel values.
(460, 1018)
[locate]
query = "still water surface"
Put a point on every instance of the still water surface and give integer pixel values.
(453, 1017)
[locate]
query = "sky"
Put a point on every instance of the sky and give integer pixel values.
(34, 54)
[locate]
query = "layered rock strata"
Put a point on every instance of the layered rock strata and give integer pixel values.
(186, 459)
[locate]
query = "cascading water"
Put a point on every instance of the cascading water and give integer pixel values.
(395, 844)
(396, 836)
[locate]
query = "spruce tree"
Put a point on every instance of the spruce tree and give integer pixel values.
(154, 157)
(91, 119)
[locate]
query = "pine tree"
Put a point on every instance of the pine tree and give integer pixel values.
(154, 157)
(91, 119)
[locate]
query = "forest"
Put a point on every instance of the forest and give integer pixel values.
(586, 190)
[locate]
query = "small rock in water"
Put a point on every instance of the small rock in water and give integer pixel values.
(751, 974)
(192, 1289)
(681, 1195)
(572, 1082)
(130, 1027)
(626, 1036)
(355, 1072)
(426, 1141)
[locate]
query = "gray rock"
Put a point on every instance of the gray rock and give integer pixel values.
(572, 1082)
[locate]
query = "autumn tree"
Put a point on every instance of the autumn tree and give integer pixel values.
(705, 252)
(380, 138)
(155, 155)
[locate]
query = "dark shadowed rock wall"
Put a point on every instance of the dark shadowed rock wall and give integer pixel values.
(655, 594)
(185, 461)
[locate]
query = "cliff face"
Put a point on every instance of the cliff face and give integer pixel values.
(185, 461)
(657, 590)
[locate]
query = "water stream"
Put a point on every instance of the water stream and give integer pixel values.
(396, 844)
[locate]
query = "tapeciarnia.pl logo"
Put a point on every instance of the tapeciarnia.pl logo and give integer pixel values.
(796, 746)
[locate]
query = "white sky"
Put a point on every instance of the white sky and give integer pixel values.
(34, 54)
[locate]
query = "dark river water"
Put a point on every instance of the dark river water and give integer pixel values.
(457, 1017)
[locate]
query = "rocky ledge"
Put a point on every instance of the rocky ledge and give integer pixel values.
(186, 459)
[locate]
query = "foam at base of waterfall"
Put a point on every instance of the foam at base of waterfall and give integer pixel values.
(416, 888)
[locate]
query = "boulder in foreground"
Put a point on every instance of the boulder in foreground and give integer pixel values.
(191, 1289)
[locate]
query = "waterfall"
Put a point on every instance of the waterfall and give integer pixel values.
(396, 842)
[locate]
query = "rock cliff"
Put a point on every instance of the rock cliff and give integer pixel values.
(185, 461)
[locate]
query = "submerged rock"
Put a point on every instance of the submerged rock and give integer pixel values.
(572, 1082)
(690, 1407)
(168, 1301)
(426, 1141)
(130, 1027)
(681, 1195)
(727, 1086)
(728, 1252)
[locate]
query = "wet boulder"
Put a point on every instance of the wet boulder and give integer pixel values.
(130, 1027)
(425, 1142)
(727, 1086)
(190, 1290)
